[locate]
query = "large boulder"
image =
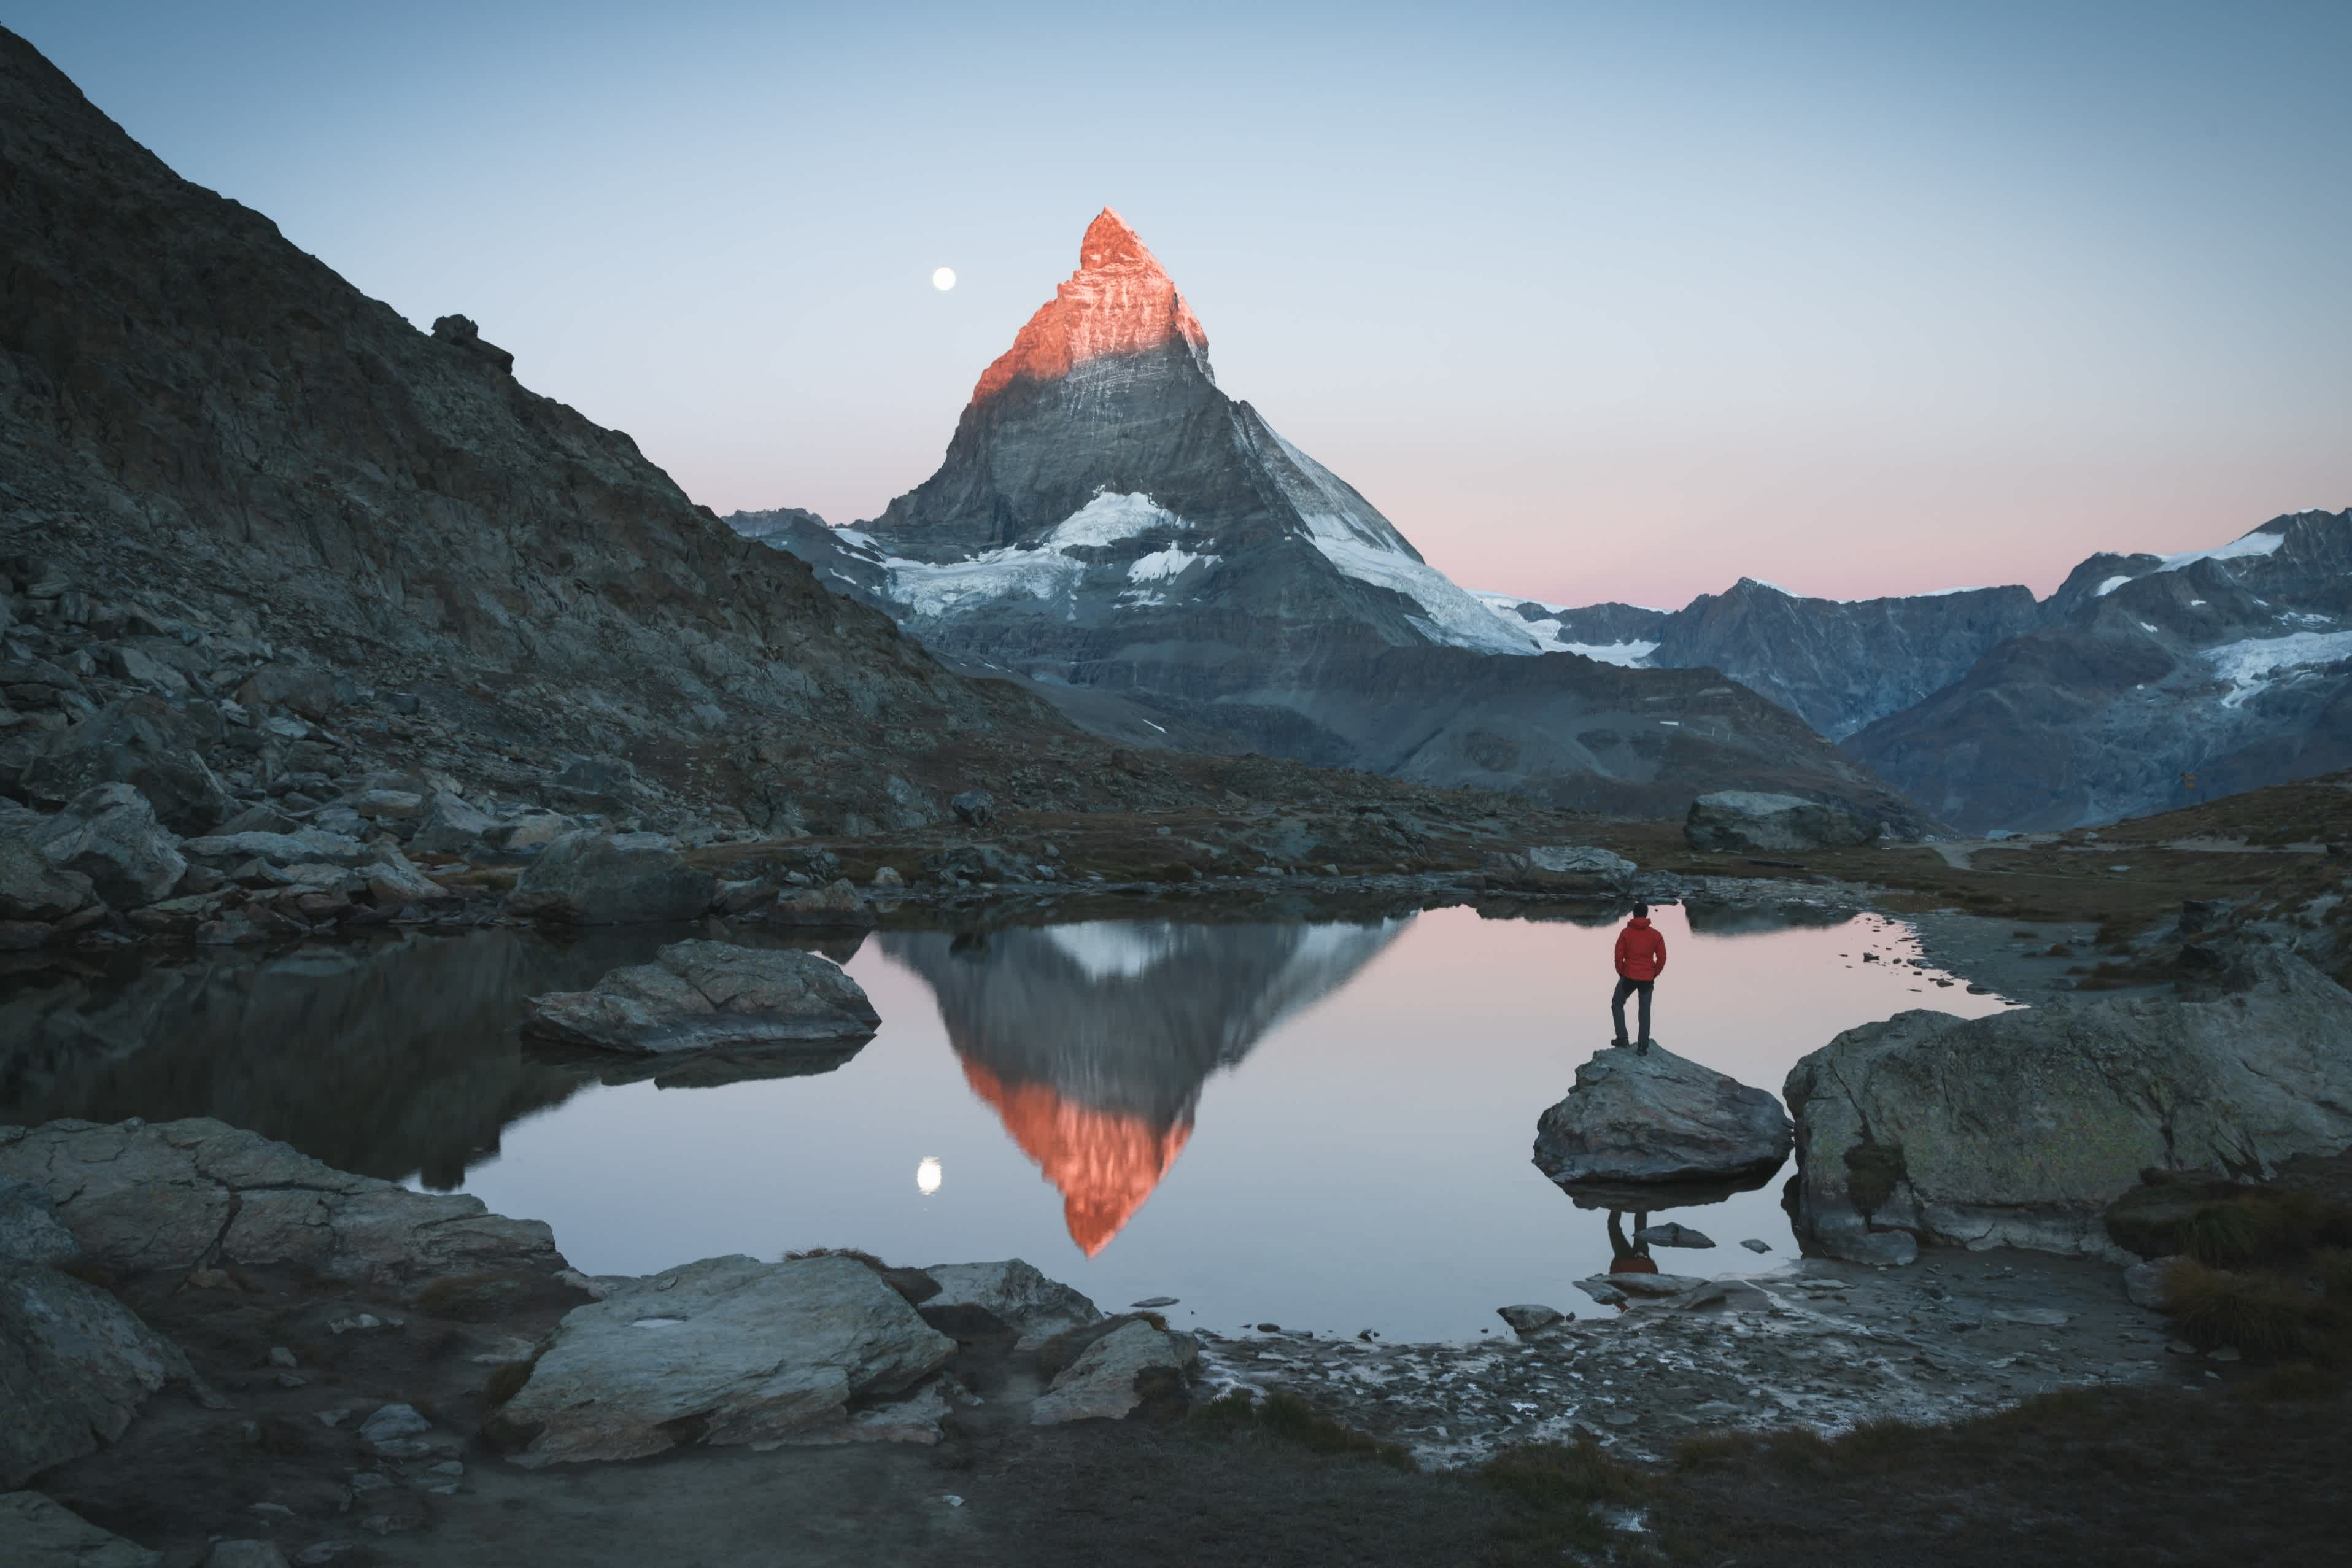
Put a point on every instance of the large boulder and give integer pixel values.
(307, 689)
(1746, 819)
(109, 835)
(175, 1195)
(30, 1230)
(601, 879)
(725, 1351)
(41, 1533)
(1655, 1118)
(1113, 1376)
(141, 742)
(450, 825)
(697, 996)
(838, 902)
(33, 889)
(75, 1366)
(302, 846)
(2019, 1129)
(1017, 1294)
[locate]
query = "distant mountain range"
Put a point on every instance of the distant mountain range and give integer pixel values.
(1109, 525)
(2145, 681)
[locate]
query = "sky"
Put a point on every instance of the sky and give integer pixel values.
(1594, 302)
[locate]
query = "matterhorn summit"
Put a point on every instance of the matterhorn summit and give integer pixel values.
(1146, 551)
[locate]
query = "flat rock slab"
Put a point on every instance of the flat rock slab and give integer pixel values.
(2020, 1128)
(1652, 1117)
(1106, 1381)
(703, 995)
(1632, 1284)
(38, 1532)
(726, 1351)
(75, 1365)
(175, 1195)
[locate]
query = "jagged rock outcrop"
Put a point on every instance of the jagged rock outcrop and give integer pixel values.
(1114, 1375)
(75, 1366)
(1654, 1119)
(1106, 519)
(2019, 1129)
(700, 996)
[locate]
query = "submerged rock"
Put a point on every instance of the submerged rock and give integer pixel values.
(1599, 1286)
(698, 996)
(1654, 1117)
(597, 879)
(1114, 1375)
(2020, 1129)
(1530, 1317)
(726, 1351)
(1746, 819)
(175, 1195)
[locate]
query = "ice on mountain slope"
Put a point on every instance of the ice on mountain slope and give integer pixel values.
(1343, 526)
(1041, 571)
(2255, 665)
(2252, 544)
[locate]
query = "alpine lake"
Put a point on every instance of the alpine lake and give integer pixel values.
(1323, 1123)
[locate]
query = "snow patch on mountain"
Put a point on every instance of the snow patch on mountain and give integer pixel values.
(2253, 544)
(2258, 663)
(1161, 564)
(1041, 571)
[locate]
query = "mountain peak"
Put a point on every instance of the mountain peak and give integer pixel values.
(1119, 301)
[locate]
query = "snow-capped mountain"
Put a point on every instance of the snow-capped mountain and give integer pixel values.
(2145, 681)
(2152, 681)
(1108, 519)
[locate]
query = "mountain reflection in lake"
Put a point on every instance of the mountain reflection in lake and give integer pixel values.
(1092, 1041)
(1353, 1104)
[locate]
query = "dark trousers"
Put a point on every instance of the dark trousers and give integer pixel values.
(1626, 988)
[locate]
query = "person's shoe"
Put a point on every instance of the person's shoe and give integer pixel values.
(1643, 1048)
(1620, 1044)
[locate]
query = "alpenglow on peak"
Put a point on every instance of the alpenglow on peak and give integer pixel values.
(1120, 300)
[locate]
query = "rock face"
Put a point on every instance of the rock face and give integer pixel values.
(1109, 1379)
(1744, 820)
(2152, 681)
(725, 1351)
(33, 889)
(41, 1533)
(1108, 520)
(30, 1230)
(177, 1194)
(2019, 1129)
(695, 996)
(133, 742)
(76, 1364)
(1017, 1294)
(600, 879)
(1658, 1118)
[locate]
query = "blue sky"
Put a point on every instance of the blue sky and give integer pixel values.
(1594, 301)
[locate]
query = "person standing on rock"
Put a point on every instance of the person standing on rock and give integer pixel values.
(1641, 959)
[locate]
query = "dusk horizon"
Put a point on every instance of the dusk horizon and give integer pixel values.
(1602, 308)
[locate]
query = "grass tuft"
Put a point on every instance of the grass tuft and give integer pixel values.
(1288, 1419)
(2261, 1314)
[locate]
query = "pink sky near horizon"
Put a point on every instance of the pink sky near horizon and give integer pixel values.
(1594, 302)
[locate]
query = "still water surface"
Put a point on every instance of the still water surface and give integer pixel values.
(1326, 1126)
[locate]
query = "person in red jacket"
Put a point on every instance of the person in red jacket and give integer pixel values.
(1641, 959)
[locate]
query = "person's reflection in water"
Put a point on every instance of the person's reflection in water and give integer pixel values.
(1629, 1257)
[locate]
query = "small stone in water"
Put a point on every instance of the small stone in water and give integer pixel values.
(1156, 1301)
(1269, 1328)
(1755, 1246)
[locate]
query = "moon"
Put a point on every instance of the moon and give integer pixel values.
(943, 279)
(927, 1177)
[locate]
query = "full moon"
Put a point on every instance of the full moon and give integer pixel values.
(927, 1177)
(943, 279)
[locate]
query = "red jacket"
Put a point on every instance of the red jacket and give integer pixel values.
(1641, 951)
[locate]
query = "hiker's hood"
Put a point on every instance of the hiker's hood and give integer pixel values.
(1639, 922)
